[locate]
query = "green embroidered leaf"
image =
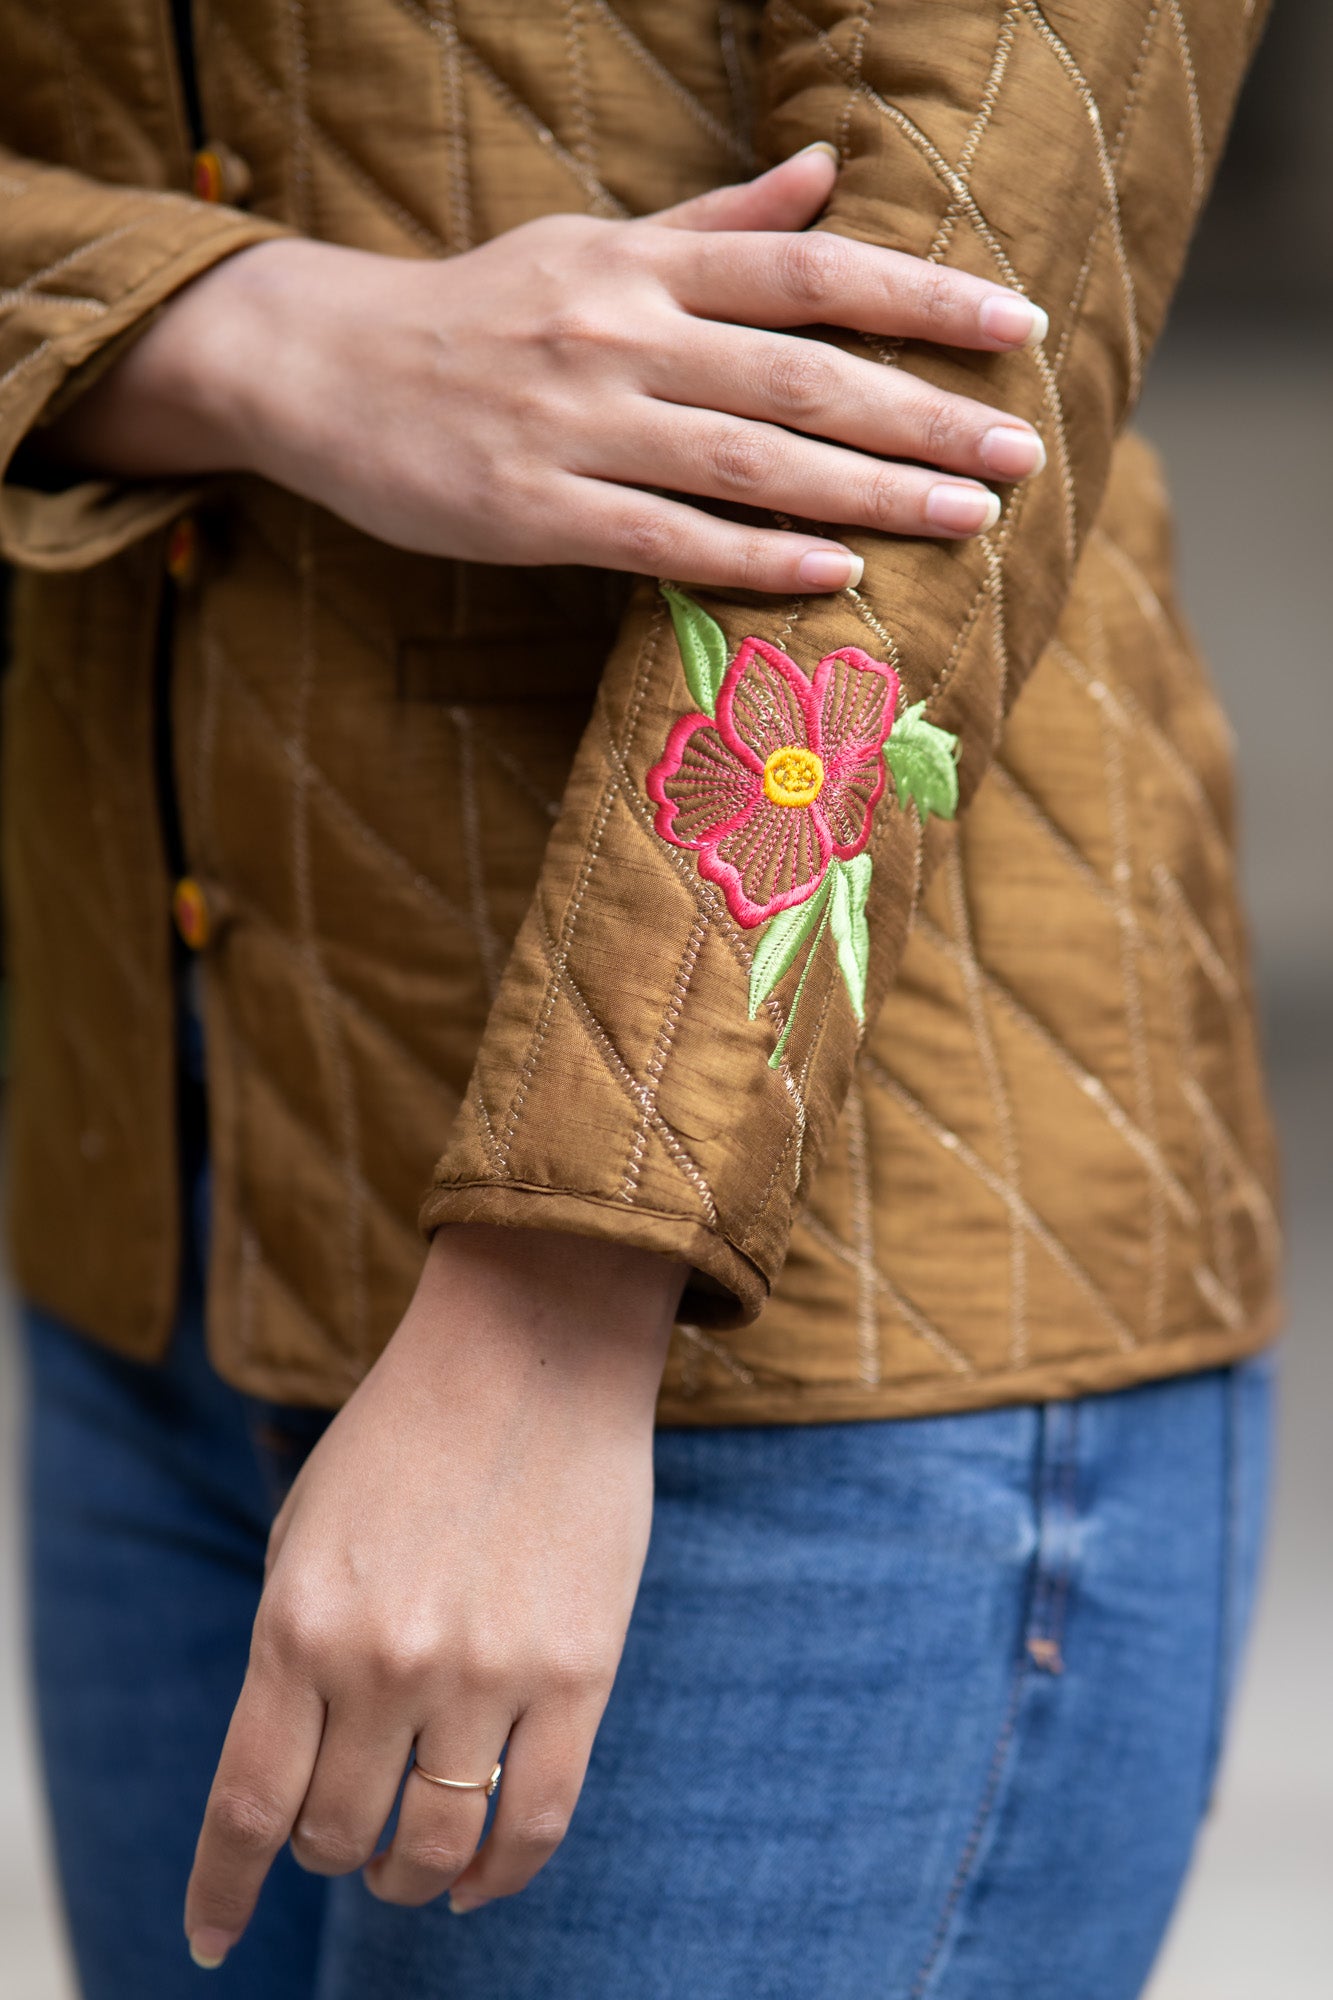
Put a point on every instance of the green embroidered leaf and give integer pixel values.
(851, 932)
(923, 763)
(703, 646)
(775, 1060)
(779, 943)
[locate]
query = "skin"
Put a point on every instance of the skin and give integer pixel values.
(525, 396)
(454, 1568)
(456, 1564)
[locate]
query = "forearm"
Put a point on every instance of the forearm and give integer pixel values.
(178, 403)
(536, 399)
(502, 1307)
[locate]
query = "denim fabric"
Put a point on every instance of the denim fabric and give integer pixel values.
(921, 1710)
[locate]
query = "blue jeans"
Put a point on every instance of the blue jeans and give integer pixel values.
(924, 1710)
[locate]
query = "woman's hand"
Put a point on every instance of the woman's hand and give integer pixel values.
(533, 400)
(454, 1569)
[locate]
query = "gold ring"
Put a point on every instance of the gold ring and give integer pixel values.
(486, 1785)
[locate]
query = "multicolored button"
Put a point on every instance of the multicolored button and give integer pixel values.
(189, 909)
(182, 556)
(206, 175)
(219, 174)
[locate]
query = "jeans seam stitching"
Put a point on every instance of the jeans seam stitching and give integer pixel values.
(1037, 1595)
(1061, 1582)
(985, 1810)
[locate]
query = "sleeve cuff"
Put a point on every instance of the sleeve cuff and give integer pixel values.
(76, 525)
(726, 1288)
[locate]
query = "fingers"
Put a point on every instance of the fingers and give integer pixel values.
(261, 1779)
(788, 196)
(808, 385)
(819, 279)
(759, 465)
(362, 1758)
(619, 527)
(543, 1776)
(438, 1829)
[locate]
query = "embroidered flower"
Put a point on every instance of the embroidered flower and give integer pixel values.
(783, 780)
(772, 781)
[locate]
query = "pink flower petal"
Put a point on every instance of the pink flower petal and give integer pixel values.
(765, 703)
(852, 790)
(700, 786)
(774, 857)
(858, 698)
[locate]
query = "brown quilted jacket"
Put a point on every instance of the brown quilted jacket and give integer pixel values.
(441, 911)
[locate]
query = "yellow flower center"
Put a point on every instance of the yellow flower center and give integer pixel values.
(793, 776)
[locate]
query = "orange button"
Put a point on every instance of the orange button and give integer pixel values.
(182, 556)
(206, 175)
(189, 908)
(218, 174)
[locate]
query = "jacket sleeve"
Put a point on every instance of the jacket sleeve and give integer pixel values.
(83, 266)
(623, 1088)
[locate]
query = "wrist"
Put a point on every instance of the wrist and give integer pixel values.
(205, 365)
(538, 1309)
(181, 400)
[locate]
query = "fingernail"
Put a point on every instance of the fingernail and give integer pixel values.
(830, 569)
(209, 1948)
(1007, 316)
(967, 510)
(460, 1905)
(819, 146)
(1012, 453)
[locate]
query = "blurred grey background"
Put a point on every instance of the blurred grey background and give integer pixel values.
(1240, 400)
